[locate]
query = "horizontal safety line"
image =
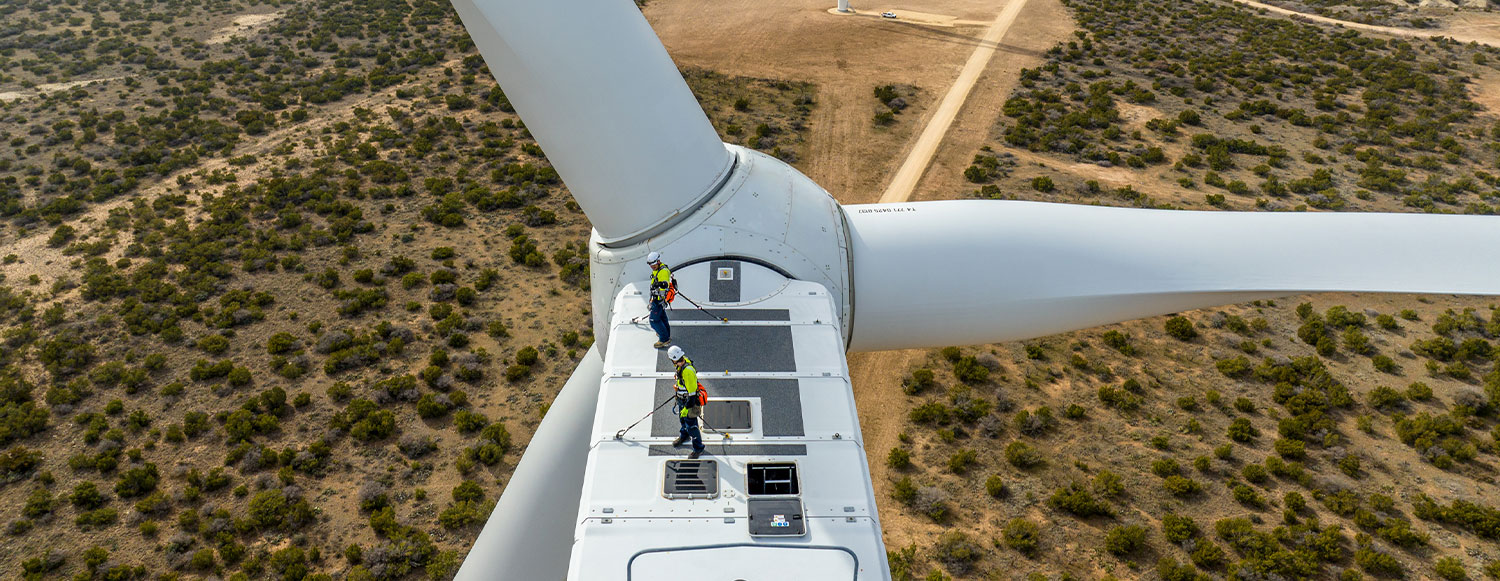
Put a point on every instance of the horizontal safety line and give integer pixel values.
(721, 375)
(643, 323)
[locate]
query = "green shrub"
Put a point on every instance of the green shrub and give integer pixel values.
(1247, 496)
(1181, 328)
(1118, 341)
(213, 344)
(1022, 535)
(1177, 528)
(904, 491)
(1034, 424)
(273, 509)
(1241, 430)
(1042, 184)
(1118, 398)
(1236, 367)
(468, 421)
(898, 459)
(1397, 532)
(1384, 398)
(1350, 466)
(994, 485)
(281, 343)
(1482, 520)
(205, 370)
(902, 562)
(516, 373)
(960, 461)
(137, 481)
(16, 462)
(239, 377)
(1170, 570)
(1450, 568)
(96, 519)
(40, 502)
(365, 421)
(1123, 540)
(1207, 555)
(920, 379)
(932, 412)
(1290, 449)
(1076, 500)
(1023, 455)
(433, 406)
(1181, 486)
(1108, 484)
(1377, 563)
(956, 552)
(1342, 503)
(968, 370)
(86, 496)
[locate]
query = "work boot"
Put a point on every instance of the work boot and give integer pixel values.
(679, 441)
(662, 344)
(695, 454)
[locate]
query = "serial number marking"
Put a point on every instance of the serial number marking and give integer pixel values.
(886, 210)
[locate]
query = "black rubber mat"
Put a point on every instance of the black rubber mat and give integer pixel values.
(716, 349)
(724, 281)
(684, 311)
(733, 450)
(780, 404)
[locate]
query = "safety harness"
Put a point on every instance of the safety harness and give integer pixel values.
(663, 290)
(685, 400)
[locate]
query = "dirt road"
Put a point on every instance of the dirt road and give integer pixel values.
(1480, 33)
(916, 163)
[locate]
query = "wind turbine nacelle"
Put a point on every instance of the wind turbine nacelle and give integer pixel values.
(765, 212)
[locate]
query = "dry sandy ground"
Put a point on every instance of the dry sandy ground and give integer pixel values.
(847, 56)
(48, 88)
(242, 25)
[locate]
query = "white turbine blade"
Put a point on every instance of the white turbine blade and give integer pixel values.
(598, 91)
(530, 533)
(969, 272)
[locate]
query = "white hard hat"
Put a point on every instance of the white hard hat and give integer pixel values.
(674, 353)
(653, 258)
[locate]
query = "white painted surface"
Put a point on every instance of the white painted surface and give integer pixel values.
(624, 521)
(760, 564)
(969, 272)
(767, 211)
(598, 91)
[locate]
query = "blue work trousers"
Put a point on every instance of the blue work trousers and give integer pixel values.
(690, 430)
(659, 322)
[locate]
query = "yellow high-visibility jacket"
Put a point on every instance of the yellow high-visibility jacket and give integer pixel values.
(687, 389)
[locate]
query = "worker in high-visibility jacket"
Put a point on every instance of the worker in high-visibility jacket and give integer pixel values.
(661, 290)
(690, 398)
